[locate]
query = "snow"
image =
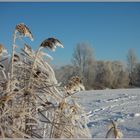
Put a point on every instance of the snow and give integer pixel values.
(120, 105)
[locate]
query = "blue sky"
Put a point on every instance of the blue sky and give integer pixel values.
(110, 28)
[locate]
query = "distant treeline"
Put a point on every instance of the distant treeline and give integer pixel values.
(100, 74)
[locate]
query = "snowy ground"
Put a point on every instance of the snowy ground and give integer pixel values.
(121, 105)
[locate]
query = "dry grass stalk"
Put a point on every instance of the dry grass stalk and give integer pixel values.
(114, 131)
(1, 49)
(32, 103)
(24, 30)
(74, 85)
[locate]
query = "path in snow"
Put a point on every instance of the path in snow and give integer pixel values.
(121, 105)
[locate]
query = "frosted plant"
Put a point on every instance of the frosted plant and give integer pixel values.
(113, 131)
(32, 103)
(3, 56)
(24, 31)
(3, 51)
(74, 85)
(51, 43)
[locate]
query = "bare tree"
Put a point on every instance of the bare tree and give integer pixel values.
(121, 77)
(110, 74)
(137, 75)
(64, 73)
(104, 74)
(131, 63)
(83, 59)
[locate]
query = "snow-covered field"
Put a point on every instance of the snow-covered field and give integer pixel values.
(121, 105)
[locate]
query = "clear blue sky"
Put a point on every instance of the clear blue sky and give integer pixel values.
(110, 28)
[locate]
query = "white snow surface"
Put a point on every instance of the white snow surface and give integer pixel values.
(120, 105)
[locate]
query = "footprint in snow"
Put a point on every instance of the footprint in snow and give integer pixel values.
(134, 114)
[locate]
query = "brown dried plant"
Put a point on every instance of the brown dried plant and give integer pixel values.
(74, 85)
(1, 48)
(24, 30)
(114, 131)
(32, 103)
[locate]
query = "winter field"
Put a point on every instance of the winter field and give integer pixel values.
(121, 105)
